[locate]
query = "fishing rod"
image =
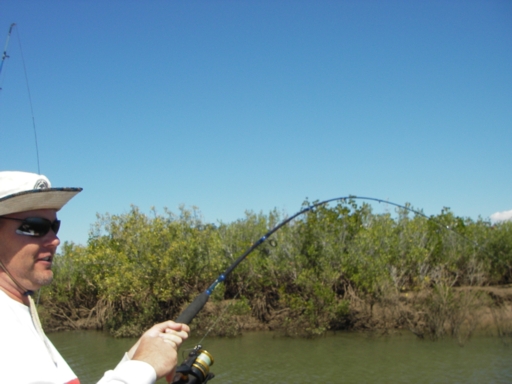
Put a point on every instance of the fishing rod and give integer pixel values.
(196, 367)
(193, 309)
(4, 55)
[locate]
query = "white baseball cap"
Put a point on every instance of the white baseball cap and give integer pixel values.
(24, 191)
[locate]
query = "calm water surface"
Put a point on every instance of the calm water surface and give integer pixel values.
(340, 358)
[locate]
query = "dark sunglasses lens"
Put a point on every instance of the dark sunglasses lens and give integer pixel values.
(37, 226)
(56, 226)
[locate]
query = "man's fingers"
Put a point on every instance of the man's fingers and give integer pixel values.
(174, 337)
(168, 325)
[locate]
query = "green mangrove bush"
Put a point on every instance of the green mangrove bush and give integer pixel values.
(313, 275)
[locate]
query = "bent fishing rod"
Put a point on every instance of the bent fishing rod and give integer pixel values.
(195, 307)
(196, 368)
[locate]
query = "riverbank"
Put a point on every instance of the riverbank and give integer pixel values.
(434, 313)
(457, 312)
(337, 268)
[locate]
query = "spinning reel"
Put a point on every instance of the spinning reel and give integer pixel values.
(195, 369)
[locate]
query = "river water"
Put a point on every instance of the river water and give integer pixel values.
(339, 358)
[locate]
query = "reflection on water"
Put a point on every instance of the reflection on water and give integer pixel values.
(340, 358)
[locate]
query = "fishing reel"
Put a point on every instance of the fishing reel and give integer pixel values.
(195, 369)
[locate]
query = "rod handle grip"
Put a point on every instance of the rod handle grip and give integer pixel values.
(193, 309)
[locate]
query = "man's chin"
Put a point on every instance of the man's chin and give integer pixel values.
(42, 281)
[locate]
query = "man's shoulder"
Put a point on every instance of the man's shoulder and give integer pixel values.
(13, 312)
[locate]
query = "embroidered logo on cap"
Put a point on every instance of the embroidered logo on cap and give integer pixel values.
(41, 184)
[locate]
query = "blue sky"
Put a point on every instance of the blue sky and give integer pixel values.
(254, 105)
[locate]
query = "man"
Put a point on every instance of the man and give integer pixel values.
(28, 242)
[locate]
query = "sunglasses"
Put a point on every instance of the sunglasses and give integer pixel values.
(35, 226)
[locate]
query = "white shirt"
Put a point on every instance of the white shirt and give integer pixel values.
(25, 359)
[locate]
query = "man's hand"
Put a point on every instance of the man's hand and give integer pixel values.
(159, 345)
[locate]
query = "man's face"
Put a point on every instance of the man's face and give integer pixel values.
(28, 259)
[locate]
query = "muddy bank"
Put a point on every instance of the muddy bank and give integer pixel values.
(435, 313)
(458, 312)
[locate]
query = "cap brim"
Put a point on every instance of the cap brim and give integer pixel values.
(50, 198)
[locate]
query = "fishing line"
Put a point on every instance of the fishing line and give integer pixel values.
(223, 312)
(30, 101)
